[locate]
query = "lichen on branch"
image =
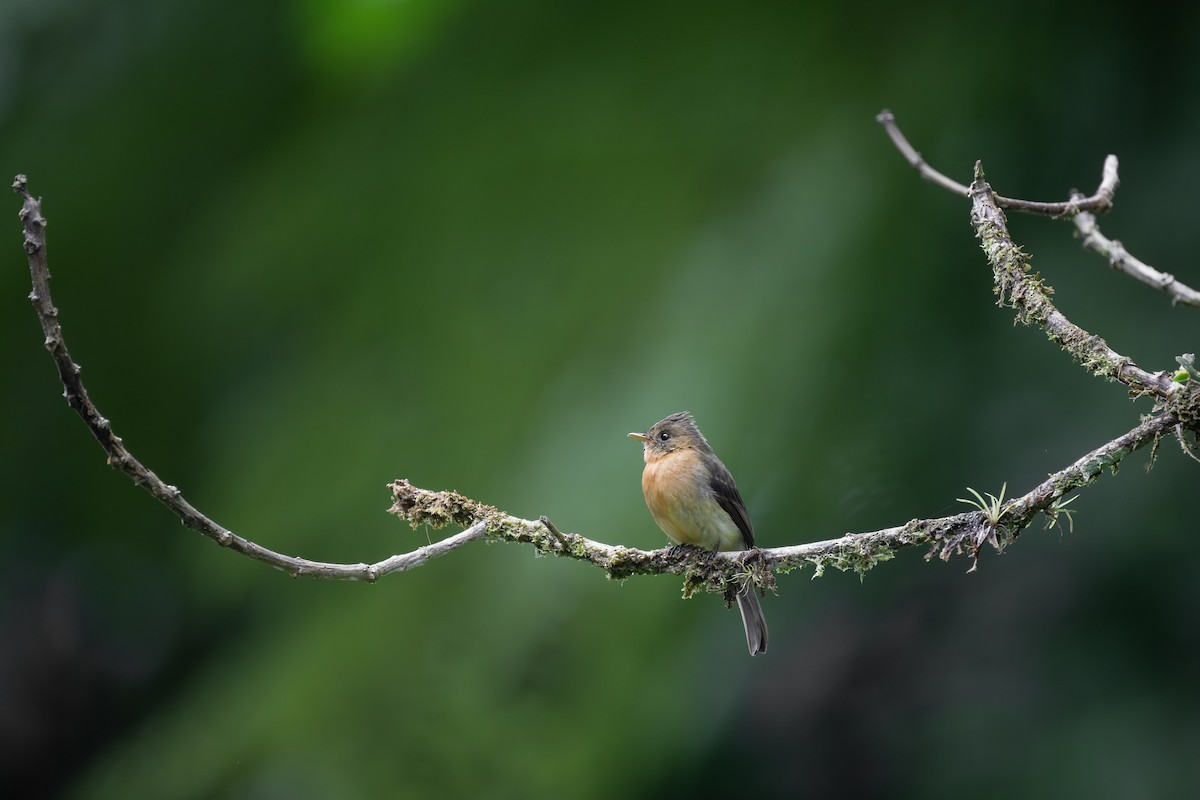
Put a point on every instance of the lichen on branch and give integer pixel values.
(1028, 294)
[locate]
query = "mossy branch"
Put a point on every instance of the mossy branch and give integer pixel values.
(857, 552)
(1029, 295)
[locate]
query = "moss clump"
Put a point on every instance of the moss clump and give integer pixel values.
(858, 557)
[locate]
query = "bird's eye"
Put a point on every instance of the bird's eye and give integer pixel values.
(664, 436)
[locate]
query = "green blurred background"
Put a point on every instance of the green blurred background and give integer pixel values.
(302, 249)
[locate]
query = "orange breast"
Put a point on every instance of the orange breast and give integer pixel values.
(681, 501)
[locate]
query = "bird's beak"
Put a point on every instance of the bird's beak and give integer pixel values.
(641, 436)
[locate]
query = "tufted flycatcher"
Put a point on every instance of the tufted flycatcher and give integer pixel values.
(695, 501)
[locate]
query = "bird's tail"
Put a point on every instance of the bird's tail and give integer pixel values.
(753, 620)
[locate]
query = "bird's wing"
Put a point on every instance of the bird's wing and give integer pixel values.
(729, 498)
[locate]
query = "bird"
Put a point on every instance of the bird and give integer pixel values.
(694, 499)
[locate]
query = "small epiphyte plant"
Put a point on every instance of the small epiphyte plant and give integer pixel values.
(1057, 510)
(992, 509)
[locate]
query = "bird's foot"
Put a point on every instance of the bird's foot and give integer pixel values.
(687, 550)
(750, 556)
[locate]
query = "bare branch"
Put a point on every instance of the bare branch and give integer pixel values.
(122, 460)
(1100, 201)
(1120, 259)
(914, 158)
(1030, 296)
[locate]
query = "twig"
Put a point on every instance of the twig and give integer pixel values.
(1120, 259)
(1030, 296)
(122, 460)
(914, 158)
(1100, 201)
(1078, 207)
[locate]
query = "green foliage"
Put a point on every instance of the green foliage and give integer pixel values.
(347, 41)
